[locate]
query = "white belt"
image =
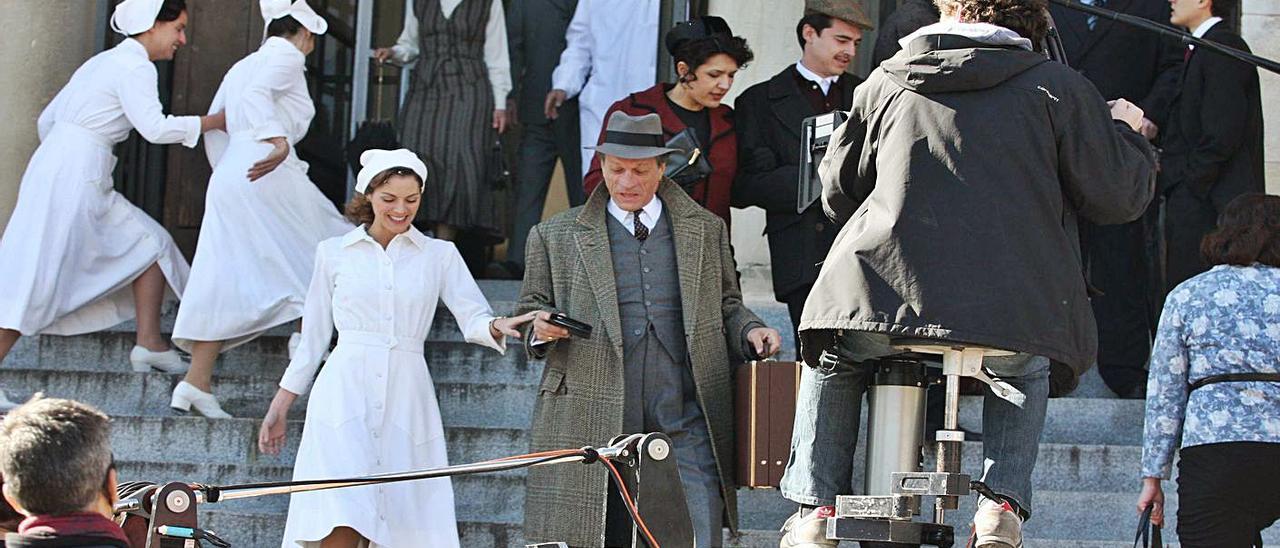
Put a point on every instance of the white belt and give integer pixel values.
(81, 132)
(381, 340)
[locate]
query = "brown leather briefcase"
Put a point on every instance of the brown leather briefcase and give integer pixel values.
(766, 408)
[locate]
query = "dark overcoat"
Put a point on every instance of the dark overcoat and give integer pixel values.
(580, 399)
(961, 171)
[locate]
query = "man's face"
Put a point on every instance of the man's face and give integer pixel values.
(829, 52)
(1189, 13)
(631, 183)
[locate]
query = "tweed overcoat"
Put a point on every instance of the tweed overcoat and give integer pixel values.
(569, 269)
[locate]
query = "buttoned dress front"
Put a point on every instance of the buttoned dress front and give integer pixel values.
(73, 244)
(257, 238)
(373, 408)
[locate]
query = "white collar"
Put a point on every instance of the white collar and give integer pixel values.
(1203, 29)
(648, 214)
(823, 82)
(986, 33)
(134, 47)
(361, 233)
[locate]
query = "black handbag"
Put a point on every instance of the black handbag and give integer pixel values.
(689, 165)
(1148, 535)
(372, 134)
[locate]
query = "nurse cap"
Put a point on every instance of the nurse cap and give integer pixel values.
(135, 16)
(375, 161)
(275, 9)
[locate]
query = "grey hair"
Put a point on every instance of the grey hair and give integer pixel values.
(55, 455)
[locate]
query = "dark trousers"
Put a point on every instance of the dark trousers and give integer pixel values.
(795, 305)
(1118, 268)
(1227, 494)
(540, 146)
(1187, 219)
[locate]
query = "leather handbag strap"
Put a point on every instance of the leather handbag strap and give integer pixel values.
(1148, 535)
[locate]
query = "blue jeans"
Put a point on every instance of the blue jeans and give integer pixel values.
(830, 402)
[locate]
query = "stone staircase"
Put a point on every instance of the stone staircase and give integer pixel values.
(1086, 478)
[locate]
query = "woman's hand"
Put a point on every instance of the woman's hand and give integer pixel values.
(382, 54)
(500, 121)
(272, 161)
(1152, 494)
(271, 436)
(217, 120)
(510, 326)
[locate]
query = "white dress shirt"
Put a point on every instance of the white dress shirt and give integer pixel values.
(823, 82)
(649, 214)
(495, 47)
(610, 52)
(1203, 29)
(116, 92)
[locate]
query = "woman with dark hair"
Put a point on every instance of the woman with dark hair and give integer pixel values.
(708, 57)
(373, 409)
(77, 257)
(263, 217)
(1213, 396)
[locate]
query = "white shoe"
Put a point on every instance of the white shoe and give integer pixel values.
(996, 525)
(808, 530)
(186, 396)
(5, 404)
(169, 361)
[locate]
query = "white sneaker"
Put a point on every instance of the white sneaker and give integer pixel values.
(996, 525)
(169, 361)
(186, 396)
(5, 404)
(808, 530)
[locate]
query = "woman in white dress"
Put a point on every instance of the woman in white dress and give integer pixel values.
(373, 408)
(263, 217)
(77, 257)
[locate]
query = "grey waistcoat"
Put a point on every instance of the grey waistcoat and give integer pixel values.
(660, 393)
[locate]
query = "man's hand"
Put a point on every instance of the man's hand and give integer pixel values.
(500, 121)
(382, 54)
(272, 161)
(1129, 113)
(765, 341)
(1149, 129)
(543, 330)
(1152, 494)
(551, 107)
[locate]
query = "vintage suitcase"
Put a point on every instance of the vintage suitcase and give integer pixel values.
(766, 408)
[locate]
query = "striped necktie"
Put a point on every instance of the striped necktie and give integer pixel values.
(1092, 20)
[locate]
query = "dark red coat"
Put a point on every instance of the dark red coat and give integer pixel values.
(713, 193)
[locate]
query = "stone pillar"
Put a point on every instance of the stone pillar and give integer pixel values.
(1260, 25)
(43, 44)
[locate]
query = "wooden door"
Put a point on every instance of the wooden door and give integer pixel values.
(219, 34)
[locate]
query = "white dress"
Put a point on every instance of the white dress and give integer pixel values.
(373, 407)
(74, 244)
(258, 239)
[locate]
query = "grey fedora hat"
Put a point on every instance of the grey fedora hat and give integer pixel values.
(633, 137)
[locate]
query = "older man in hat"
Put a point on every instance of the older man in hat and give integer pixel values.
(665, 333)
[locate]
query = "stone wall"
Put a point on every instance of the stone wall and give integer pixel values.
(43, 44)
(1260, 25)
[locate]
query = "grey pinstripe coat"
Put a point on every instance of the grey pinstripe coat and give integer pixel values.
(568, 268)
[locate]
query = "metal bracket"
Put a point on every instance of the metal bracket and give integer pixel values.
(891, 507)
(905, 532)
(930, 484)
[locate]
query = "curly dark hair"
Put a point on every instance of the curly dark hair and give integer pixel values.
(360, 210)
(1248, 232)
(696, 52)
(1025, 17)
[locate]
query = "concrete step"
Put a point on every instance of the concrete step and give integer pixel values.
(261, 530)
(468, 397)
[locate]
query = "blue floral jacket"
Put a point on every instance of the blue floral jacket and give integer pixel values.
(1226, 320)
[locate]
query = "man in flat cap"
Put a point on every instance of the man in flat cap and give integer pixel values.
(658, 359)
(768, 117)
